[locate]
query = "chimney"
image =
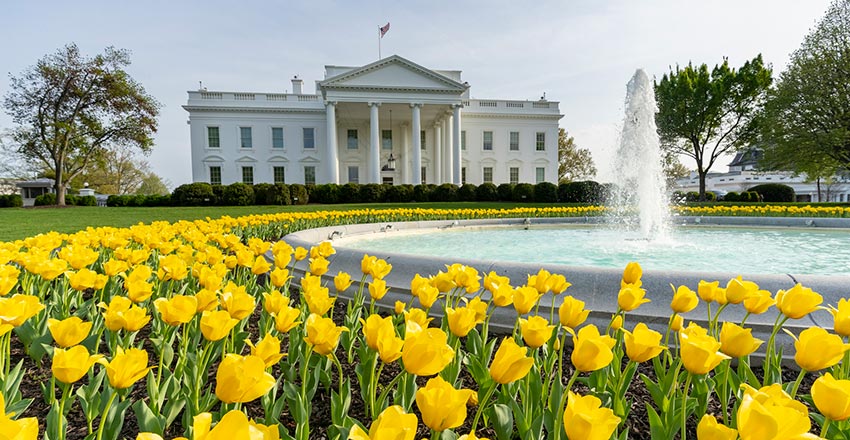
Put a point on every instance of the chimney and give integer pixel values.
(296, 85)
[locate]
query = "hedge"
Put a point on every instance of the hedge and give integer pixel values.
(774, 192)
(11, 201)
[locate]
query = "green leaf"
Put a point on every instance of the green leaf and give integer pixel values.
(148, 422)
(503, 421)
(657, 427)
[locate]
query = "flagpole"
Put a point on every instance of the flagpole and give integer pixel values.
(379, 43)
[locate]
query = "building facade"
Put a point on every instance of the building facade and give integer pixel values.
(391, 121)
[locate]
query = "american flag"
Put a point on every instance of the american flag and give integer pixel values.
(385, 29)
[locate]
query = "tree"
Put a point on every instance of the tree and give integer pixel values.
(673, 168)
(115, 170)
(704, 115)
(805, 125)
(574, 163)
(68, 108)
(153, 184)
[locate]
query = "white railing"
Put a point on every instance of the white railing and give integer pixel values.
(211, 95)
(275, 97)
(243, 96)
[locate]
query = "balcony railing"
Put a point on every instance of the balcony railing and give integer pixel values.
(504, 106)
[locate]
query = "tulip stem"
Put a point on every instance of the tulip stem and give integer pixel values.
(435, 435)
(797, 383)
(102, 423)
(62, 400)
(373, 386)
(481, 404)
(685, 404)
(825, 428)
(559, 415)
(383, 397)
(780, 320)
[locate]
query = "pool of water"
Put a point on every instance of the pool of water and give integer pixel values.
(712, 249)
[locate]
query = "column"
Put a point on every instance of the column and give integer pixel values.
(331, 155)
(416, 173)
(438, 145)
(456, 144)
(374, 144)
(404, 158)
(447, 135)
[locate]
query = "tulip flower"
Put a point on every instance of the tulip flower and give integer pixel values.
(426, 353)
(398, 307)
(418, 316)
(461, 320)
(699, 351)
(78, 257)
(707, 290)
(738, 290)
(16, 309)
(216, 325)
(557, 284)
(286, 319)
(127, 367)
(377, 289)
(466, 277)
(525, 298)
(832, 397)
(684, 299)
(260, 265)
(242, 379)
(632, 273)
(322, 334)
(737, 341)
(318, 266)
(268, 349)
(207, 300)
(494, 281)
(20, 429)
(511, 362)
(234, 425)
(134, 318)
(372, 327)
(82, 279)
(324, 249)
(817, 349)
(709, 429)
(443, 281)
(771, 413)
(642, 344)
(180, 309)
(68, 332)
(389, 345)
(758, 302)
(138, 290)
(503, 296)
(72, 364)
(236, 301)
(631, 297)
(274, 301)
(172, 267)
(797, 301)
(572, 312)
(279, 277)
(591, 351)
(441, 405)
(586, 419)
(342, 281)
(616, 322)
(392, 424)
(300, 253)
(841, 317)
(678, 323)
(535, 331)
(318, 299)
(539, 281)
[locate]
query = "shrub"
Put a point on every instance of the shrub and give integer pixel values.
(117, 201)
(299, 194)
(710, 196)
(280, 195)
(327, 193)
(399, 194)
(218, 195)
(87, 201)
(750, 196)
(194, 194)
(466, 193)
(237, 194)
(587, 191)
(732, 196)
(72, 200)
(774, 192)
(263, 192)
(372, 193)
(137, 200)
(349, 193)
(45, 199)
(311, 193)
(157, 200)
(505, 192)
(545, 192)
(446, 192)
(523, 192)
(422, 193)
(486, 192)
(11, 201)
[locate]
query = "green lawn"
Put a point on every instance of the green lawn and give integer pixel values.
(17, 223)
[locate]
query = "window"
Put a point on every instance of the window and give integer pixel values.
(463, 176)
(514, 141)
(387, 180)
(309, 174)
(540, 174)
(248, 175)
(352, 139)
(541, 141)
(279, 174)
(488, 140)
(422, 140)
(488, 174)
(277, 137)
(387, 139)
(213, 139)
(309, 139)
(215, 175)
(514, 175)
(463, 140)
(423, 172)
(353, 174)
(245, 137)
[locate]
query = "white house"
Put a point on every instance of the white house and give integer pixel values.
(391, 121)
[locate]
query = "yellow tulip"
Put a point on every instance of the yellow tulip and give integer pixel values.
(797, 301)
(72, 364)
(138, 290)
(300, 253)
(180, 309)
(535, 330)
(591, 351)
(540, 281)
(78, 257)
(684, 299)
(318, 266)
(234, 425)
(441, 405)
(841, 317)
(268, 349)
(758, 302)
(134, 318)
(322, 334)
(286, 319)
(632, 273)
(274, 301)
(572, 312)
(216, 325)
(372, 327)
(172, 267)
(832, 397)
(494, 281)
(398, 307)
(737, 341)
(426, 353)
(503, 296)
(418, 316)
(260, 265)
(16, 309)
(377, 289)
(242, 379)
(392, 424)
(511, 362)
(616, 322)
(466, 277)
(237, 301)
(68, 332)
(709, 429)
(642, 344)
(699, 351)
(585, 418)
(461, 320)
(557, 284)
(389, 345)
(678, 323)
(342, 281)
(631, 297)
(279, 277)
(207, 300)
(770, 413)
(817, 349)
(525, 298)
(738, 290)
(318, 300)
(82, 279)
(443, 281)
(127, 367)
(20, 429)
(707, 290)
(149, 436)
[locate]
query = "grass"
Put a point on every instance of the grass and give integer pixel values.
(19, 223)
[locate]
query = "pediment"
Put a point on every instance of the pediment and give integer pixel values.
(393, 72)
(213, 158)
(514, 162)
(278, 159)
(309, 159)
(245, 159)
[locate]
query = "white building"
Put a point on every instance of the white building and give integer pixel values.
(359, 118)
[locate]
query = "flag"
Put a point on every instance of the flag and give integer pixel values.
(385, 29)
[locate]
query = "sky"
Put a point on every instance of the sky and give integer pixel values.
(578, 52)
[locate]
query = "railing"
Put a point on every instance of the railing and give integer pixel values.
(491, 105)
(275, 97)
(304, 98)
(488, 104)
(243, 96)
(210, 95)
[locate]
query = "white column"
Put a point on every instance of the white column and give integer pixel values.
(417, 145)
(447, 135)
(374, 144)
(331, 153)
(438, 145)
(405, 153)
(456, 144)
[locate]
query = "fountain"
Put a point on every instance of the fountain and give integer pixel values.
(639, 175)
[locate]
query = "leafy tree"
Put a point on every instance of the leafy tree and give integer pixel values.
(674, 169)
(806, 120)
(705, 114)
(153, 184)
(574, 163)
(68, 108)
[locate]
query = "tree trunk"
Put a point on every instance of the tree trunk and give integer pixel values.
(702, 175)
(819, 198)
(59, 186)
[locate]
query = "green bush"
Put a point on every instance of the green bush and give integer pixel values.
(466, 193)
(117, 201)
(45, 199)
(152, 200)
(349, 193)
(11, 201)
(523, 192)
(218, 195)
(137, 200)
(372, 193)
(325, 193)
(280, 195)
(587, 191)
(422, 192)
(237, 194)
(505, 192)
(298, 193)
(87, 201)
(732, 196)
(399, 194)
(194, 194)
(72, 200)
(545, 192)
(486, 192)
(774, 192)
(446, 192)
(750, 196)
(263, 192)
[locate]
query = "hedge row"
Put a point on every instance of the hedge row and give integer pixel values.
(70, 199)
(768, 192)
(11, 201)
